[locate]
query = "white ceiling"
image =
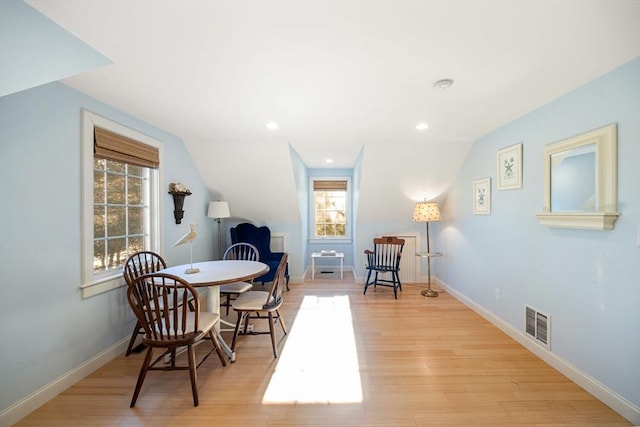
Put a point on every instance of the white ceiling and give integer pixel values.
(337, 75)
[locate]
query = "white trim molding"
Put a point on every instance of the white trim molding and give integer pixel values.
(601, 392)
(33, 401)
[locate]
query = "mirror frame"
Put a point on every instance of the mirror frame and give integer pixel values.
(606, 212)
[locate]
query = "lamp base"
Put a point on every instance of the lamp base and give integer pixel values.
(192, 270)
(429, 293)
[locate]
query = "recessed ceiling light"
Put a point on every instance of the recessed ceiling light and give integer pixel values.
(329, 160)
(422, 126)
(273, 126)
(443, 84)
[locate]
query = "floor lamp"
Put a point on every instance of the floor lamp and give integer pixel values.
(217, 211)
(427, 212)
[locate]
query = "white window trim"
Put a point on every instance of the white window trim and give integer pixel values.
(91, 286)
(312, 209)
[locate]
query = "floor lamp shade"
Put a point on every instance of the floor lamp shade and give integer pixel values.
(426, 212)
(217, 211)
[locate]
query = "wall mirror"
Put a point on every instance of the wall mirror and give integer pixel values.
(580, 181)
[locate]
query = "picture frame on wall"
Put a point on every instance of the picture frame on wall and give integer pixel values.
(510, 167)
(482, 196)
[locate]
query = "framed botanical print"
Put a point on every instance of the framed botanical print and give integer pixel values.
(482, 196)
(510, 167)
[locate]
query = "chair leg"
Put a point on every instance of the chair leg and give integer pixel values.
(237, 330)
(141, 376)
(216, 345)
(281, 320)
(228, 303)
(272, 332)
(193, 374)
(366, 282)
(134, 335)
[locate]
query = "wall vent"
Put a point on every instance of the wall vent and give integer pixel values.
(538, 326)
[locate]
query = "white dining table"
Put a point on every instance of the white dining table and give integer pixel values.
(212, 274)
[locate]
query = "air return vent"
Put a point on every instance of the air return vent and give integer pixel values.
(538, 326)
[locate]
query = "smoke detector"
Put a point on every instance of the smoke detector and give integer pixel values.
(443, 85)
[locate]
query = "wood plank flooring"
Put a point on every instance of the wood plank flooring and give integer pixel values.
(349, 360)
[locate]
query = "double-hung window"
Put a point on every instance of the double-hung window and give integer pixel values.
(331, 201)
(120, 200)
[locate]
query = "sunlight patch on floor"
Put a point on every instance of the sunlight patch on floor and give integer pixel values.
(319, 362)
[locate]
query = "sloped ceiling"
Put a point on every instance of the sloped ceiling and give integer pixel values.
(340, 77)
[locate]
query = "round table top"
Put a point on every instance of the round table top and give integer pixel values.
(215, 273)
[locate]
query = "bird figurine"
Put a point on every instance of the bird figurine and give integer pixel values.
(189, 238)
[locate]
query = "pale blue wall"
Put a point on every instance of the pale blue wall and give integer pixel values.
(46, 328)
(35, 50)
(588, 281)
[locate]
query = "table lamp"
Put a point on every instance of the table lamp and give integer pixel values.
(427, 212)
(218, 210)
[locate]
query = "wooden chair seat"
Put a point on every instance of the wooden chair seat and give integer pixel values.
(237, 251)
(262, 305)
(384, 258)
(160, 303)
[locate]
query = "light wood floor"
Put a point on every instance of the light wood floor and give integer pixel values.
(409, 362)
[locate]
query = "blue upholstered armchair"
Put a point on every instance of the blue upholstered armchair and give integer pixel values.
(260, 237)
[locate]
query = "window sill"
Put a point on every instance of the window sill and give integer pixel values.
(93, 289)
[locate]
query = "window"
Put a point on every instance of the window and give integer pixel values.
(330, 210)
(120, 213)
(120, 200)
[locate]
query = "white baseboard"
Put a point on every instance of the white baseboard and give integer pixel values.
(30, 403)
(601, 392)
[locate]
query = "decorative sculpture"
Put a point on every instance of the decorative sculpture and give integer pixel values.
(188, 238)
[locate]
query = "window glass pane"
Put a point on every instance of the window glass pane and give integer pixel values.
(135, 170)
(136, 244)
(98, 187)
(115, 166)
(116, 221)
(136, 221)
(99, 258)
(98, 222)
(116, 252)
(330, 211)
(115, 189)
(135, 195)
(99, 164)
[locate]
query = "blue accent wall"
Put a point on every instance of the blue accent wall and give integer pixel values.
(587, 280)
(46, 328)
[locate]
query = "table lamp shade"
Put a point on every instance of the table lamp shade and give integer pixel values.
(426, 212)
(218, 210)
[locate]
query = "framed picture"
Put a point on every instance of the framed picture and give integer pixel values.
(510, 167)
(482, 196)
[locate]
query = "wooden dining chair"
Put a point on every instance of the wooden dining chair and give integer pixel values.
(139, 264)
(384, 258)
(160, 302)
(262, 305)
(237, 251)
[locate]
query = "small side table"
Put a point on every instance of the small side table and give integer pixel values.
(333, 255)
(428, 255)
